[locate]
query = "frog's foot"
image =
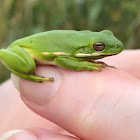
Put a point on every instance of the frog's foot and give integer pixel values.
(103, 65)
(39, 78)
(85, 65)
(51, 79)
(97, 66)
(34, 78)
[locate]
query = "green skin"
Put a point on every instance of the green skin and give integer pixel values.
(65, 48)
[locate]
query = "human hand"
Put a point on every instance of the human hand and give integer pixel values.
(90, 105)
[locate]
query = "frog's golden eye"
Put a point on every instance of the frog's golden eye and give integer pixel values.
(98, 46)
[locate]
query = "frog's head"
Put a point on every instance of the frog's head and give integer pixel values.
(102, 44)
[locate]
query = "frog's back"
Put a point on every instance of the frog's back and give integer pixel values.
(56, 40)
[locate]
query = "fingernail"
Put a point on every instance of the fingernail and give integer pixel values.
(8, 134)
(39, 93)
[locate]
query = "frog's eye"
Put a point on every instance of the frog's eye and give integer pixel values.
(98, 46)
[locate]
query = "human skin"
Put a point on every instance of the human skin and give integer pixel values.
(90, 105)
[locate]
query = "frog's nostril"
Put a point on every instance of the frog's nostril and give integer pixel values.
(117, 45)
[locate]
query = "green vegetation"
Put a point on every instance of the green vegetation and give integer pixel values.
(20, 18)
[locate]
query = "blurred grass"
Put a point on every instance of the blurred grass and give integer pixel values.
(20, 18)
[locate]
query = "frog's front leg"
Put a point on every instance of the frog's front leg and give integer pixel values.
(19, 62)
(75, 64)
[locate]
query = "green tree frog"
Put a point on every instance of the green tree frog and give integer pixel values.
(70, 49)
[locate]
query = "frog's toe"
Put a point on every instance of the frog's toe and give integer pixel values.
(111, 66)
(103, 65)
(51, 79)
(99, 69)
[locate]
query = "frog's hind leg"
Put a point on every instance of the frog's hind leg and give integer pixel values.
(19, 62)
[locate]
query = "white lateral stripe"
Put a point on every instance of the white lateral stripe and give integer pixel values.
(56, 53)
(92, 54)
(45, 53)
(45, 62)
(60, 53)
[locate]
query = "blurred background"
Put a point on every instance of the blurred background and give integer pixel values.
(20, 18)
